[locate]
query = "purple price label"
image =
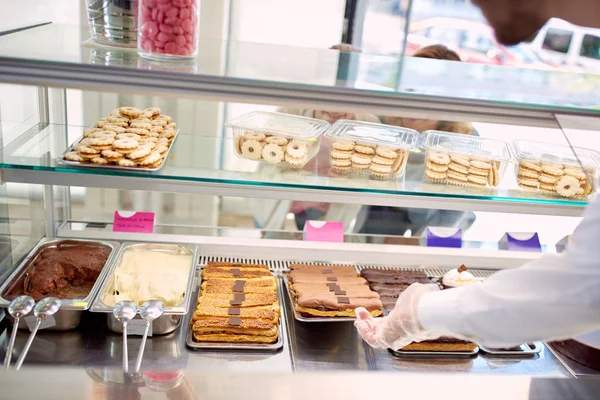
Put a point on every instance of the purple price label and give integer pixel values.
(520, 241)
(443, 237)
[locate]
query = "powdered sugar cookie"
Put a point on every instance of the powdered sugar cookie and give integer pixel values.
(99, 161)
(130, 112)
(148, 141)
(296, 149)
(153, 111)
(252, 149)
(122, 145)
(157, 122)
(101, 140)
(150, 159)
(124, 122)
(167, 133)
(343, 145)
(89, 131)
(272, 153)
(575, 172)
(567, 186)
(87, 150)
(278, 140)
(82, 142)
(140, 125)
(112, 155)
(152, 135)
(140, 152)
(126, 163)
(156, 129)
(161, 149)
(128, 136)
(137, 131)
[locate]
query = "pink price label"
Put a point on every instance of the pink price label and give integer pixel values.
(324, 231)
(132, 221)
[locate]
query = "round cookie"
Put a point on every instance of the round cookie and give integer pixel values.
(343, 145)
(137, 131)
(361, 159)
(101, 141)
(296, 149)
(239, 140)
(461, 160)
(457, 176)
(435, 176)
(438, 158)
(169, 133)
(458, 168)
(125, 146)
(479, 171)
(157, 129)
(160, 123)
(124, 122)
(293, 161)
(272, 153)
(99, 161)
(340, 154)
(73, 156)
(150, 159)
(567, 186)
(380, 171)
(112, 155)
(399, 162)
(126, 163)
(140, 152)
(494, 176)
(340, 163)
(161, 149)
(82, 142)
(480, 164)
(83, 150)
(360, 167)
(528, 183)
(436, 167)
(477, 180)
(130, 112)
(547, 187)
(252, 149)
(140, 125)
(364, 149)
(530, 165)
(386, 152)
(575, 172)
(278, 140)
(383, 160)
(89, 131)
(528, 173)
(152, 111)
(259, 137)
(128, 136)
(549, 179)
(552, 170)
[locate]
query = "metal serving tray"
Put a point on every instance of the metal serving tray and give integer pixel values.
(69, 315)
(299, 316)
(191, 343)
(167, 322)
(524, 350)
(60, 160)
(434, 354)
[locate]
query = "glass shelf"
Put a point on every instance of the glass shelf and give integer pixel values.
(64, 55)
(196, 165)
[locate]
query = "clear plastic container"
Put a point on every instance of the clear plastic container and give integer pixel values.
(276, 138)
(466, 160)
(556, 170)
(375, 149)
(168, 29)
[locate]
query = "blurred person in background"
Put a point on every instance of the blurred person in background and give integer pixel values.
(397, 221)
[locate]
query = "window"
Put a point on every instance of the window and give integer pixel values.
(590, 47)
(558, 40)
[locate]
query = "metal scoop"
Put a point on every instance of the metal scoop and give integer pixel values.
(149, 311)
(125, 311)
(17, 308)
(42, 310)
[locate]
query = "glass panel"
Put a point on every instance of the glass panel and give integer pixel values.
(558, 40)
(591, 47)
(314, 68)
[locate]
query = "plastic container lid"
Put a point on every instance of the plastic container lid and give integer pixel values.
(556, 153)
(377, 134)
(274, 123)
(465, 144)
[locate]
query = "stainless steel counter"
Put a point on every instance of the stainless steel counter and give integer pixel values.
(308, 347)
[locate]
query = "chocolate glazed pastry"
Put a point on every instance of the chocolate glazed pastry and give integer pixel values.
(66, 271)
(579, 352)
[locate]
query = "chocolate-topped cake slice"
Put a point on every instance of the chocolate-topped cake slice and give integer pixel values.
(442, 344)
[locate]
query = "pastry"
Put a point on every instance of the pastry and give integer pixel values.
(257, 136)
(458, 277)
(442, 344)
(275, 139)
(296, 149)
(335, 306)
(272, 153)
(294, 162)
(567, 186)
(252, 149)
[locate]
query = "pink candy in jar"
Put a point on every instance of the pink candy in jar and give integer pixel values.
(168, 28)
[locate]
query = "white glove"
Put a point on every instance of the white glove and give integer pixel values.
(401, 327)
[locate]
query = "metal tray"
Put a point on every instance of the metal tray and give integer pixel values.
(191, 343)
(180, 309)
(61, 161)
(69, 315)
(299, 316)
(524, 350)
(434, 354)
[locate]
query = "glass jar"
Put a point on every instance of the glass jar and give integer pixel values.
(168, 29)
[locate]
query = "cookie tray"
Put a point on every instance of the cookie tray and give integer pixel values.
(524, 350)
(301, 318)
(61, 161)
(434, 354)
(191, 343)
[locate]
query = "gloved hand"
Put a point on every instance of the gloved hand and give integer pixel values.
(401, 326)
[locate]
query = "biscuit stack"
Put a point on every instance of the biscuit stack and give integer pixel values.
(555, 178)
(128, 137)
(237, 304)
(330, 291)
(274, 149)
(380, 162)
(461, 169)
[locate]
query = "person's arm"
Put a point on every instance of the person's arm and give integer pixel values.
(555, 297)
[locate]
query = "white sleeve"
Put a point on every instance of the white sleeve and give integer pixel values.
(555, 297)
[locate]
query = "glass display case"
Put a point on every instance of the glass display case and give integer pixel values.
(235, 210)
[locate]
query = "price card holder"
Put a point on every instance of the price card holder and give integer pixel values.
(47, 322)
(520, 241)
(133, 222)
(437, 236)
(324, 231)
(137, 327)
(563, 244)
